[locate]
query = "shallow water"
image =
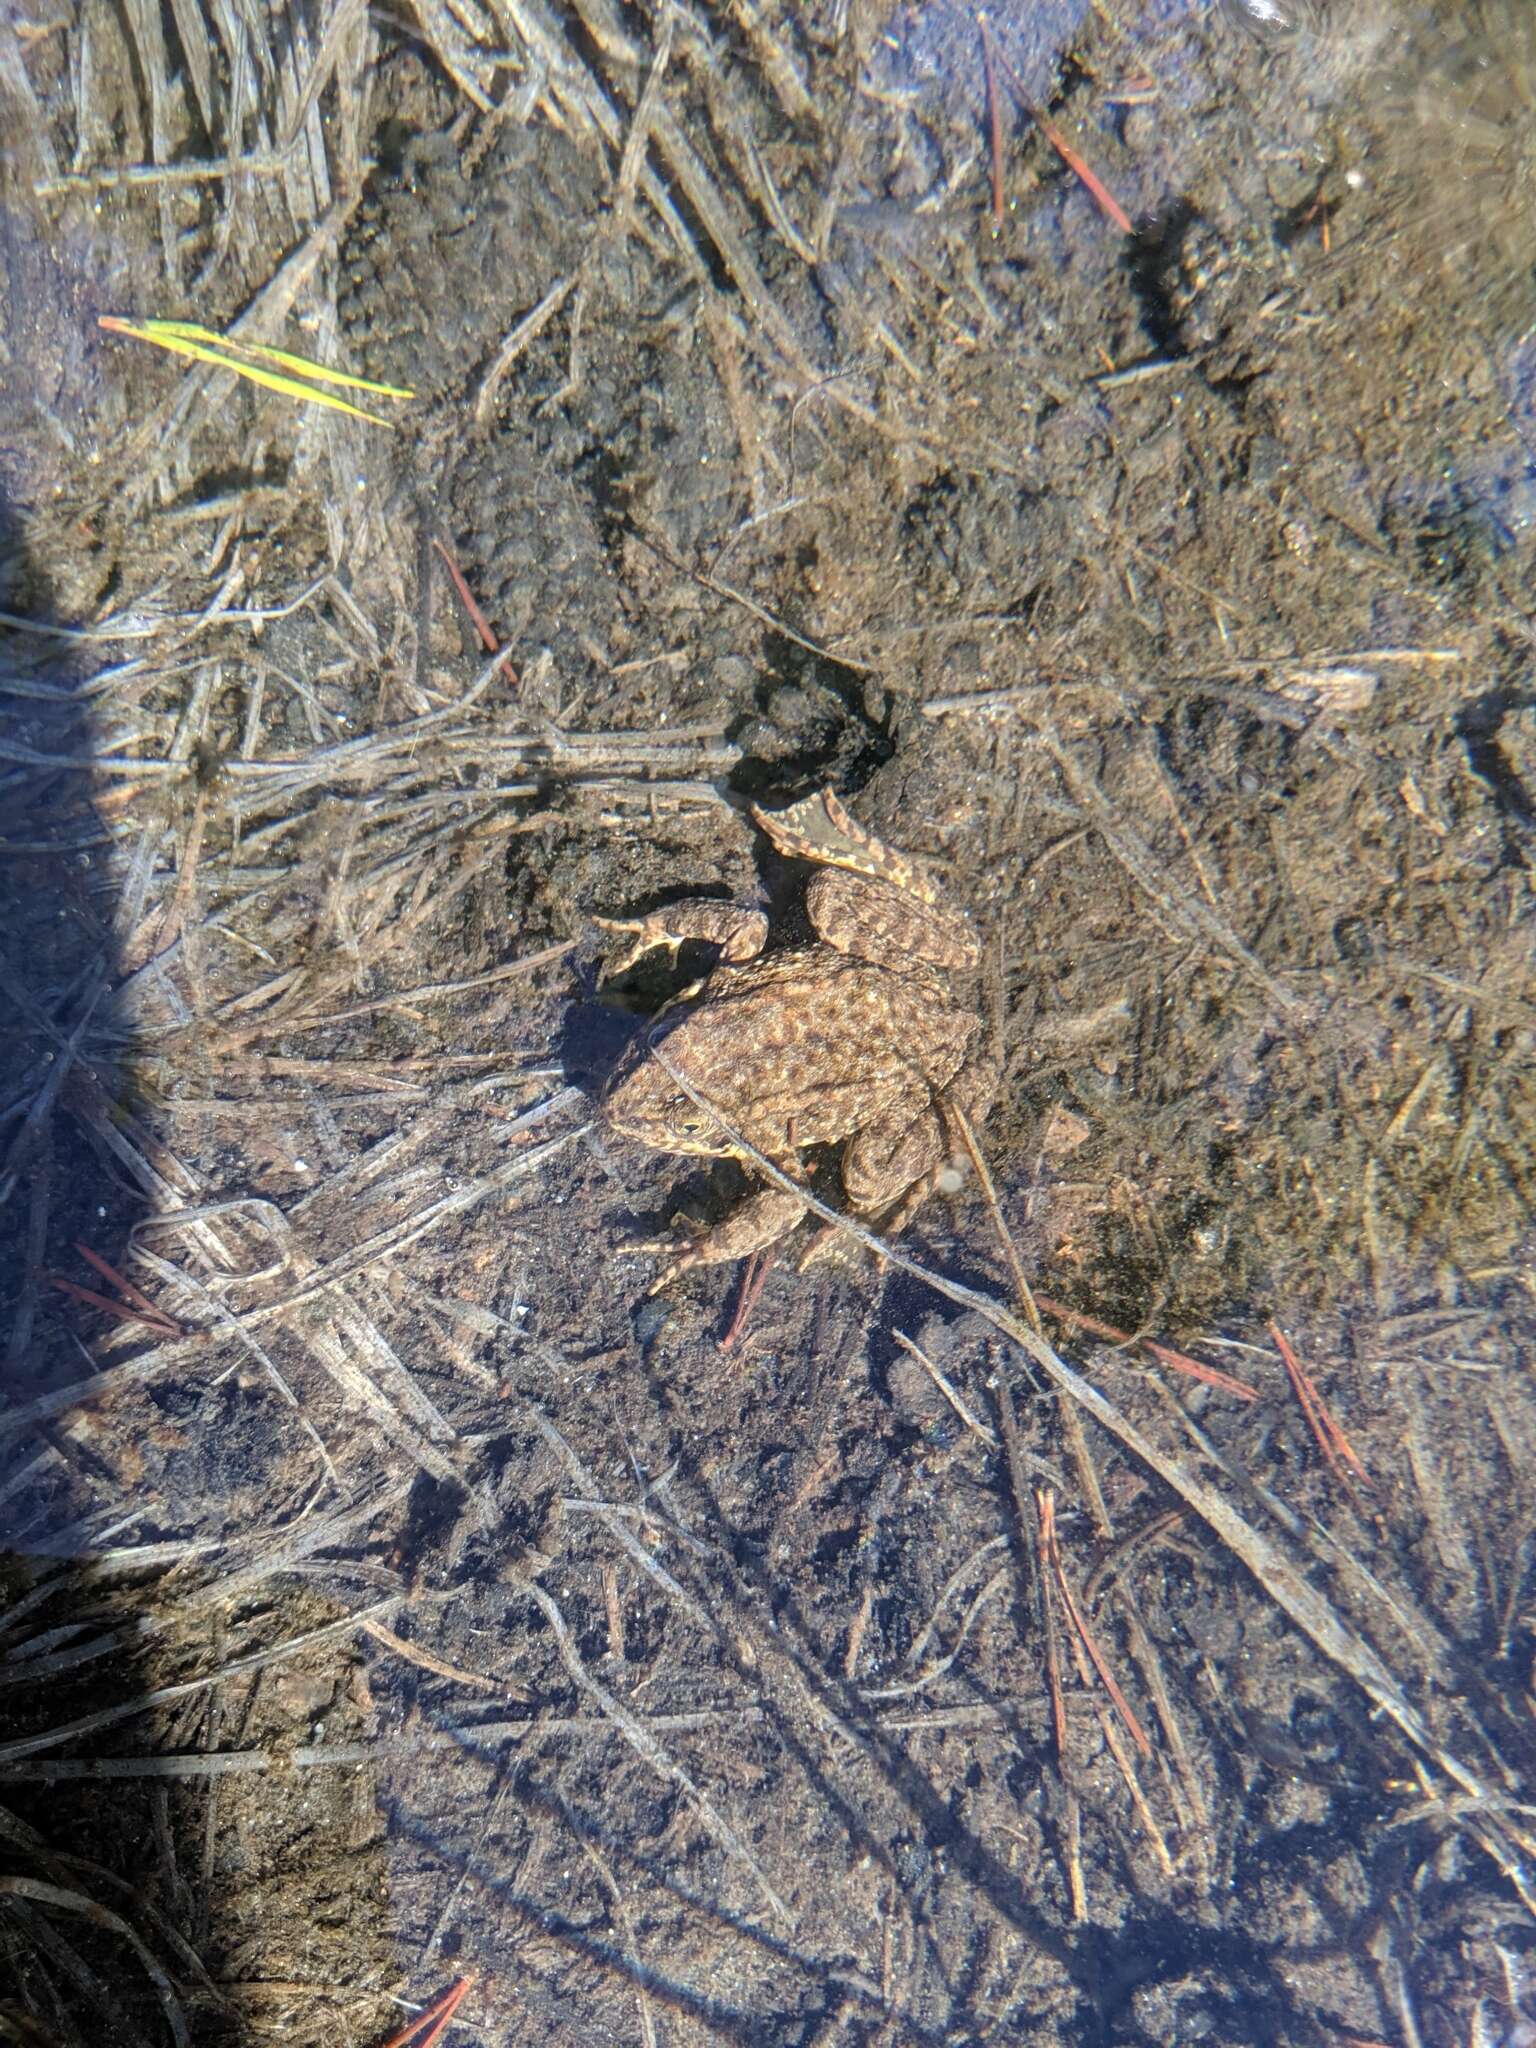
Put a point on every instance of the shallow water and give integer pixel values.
(1100, 446)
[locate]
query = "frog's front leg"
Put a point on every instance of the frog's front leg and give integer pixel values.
(760, 1221)
(738, 933)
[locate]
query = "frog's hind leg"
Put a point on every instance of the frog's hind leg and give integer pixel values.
(738, 933)
(887, 1223)
(868, 900)
(892, 1153)
(760, 1221)
(889, 1171)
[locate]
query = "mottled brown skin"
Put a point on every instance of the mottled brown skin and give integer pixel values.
(857, 1039)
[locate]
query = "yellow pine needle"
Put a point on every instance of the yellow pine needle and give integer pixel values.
(183, 338)
(300, 365)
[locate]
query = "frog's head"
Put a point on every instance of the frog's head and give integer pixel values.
(645, 1103)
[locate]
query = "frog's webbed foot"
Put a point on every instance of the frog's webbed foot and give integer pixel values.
(760, 1221)
(820, 829)
(738, 933)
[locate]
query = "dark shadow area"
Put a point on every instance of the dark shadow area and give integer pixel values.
(115, 1878)
(70, 1609)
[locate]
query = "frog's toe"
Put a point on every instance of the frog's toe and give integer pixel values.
(739, 934)
(830, 1246)
(679, 1251)
(647, 935)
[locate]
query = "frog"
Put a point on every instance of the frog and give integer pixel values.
(862, 1040)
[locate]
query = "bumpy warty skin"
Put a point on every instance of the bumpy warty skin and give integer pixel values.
(859, 1039)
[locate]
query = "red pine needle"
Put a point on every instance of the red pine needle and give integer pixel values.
(1176, 1359)
(435, 2016)
(477, 618)
(1340, 1453)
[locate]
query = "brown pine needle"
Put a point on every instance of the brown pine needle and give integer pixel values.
(751, 1287)
(995, 124)
(1045, 1506)
(478, 620)
(1046, 1501)
(114, 1308)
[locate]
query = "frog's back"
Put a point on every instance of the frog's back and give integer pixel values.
(802, 1048)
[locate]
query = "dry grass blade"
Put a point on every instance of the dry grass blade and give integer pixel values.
(339, 23)
(414, 1654)
(522, 336)
(124, 1710)
(638, 139)
(932, 1672)
(66, 1901)
(27, 122)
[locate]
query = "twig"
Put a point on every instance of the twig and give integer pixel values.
(971, 1421)
(1071, 1421)
(645, 1745)
(414, 1654)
